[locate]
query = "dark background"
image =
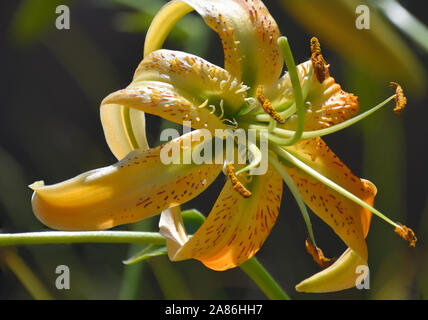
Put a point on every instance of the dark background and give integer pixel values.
(51, 84)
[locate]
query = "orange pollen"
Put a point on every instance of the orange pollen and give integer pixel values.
(407, 234)
(320, 66)
(237, 185)
(318, 255)
(400, 99)
(267, 106)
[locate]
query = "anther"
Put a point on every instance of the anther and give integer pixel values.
(318, 255)
(407, 234)
(267, 106)
(237, 185)
(320, 66)
(400, 99)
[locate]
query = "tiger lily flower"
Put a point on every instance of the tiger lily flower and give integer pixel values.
(292, 112)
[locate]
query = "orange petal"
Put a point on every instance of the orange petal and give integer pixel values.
(348, 219)
(237, 227)
(327, 104)
(135, 188)
(248, 32)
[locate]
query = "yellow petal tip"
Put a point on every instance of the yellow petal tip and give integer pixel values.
(36, 185)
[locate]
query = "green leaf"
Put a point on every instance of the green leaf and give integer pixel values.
(148, 252)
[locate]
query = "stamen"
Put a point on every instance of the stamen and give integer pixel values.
(296, 194)
(400, 99)
(231, 123)
(315, 174)
(407, 234)
(203, 105)
(267, 106)
(256, 159)
(288, 108)
(237, 185)
(221, 109)
(249, 105)
(320, 66)
(272, 125)
(278, 132)
(318, 255)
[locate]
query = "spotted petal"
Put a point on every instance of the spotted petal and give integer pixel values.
(348, 219)
(248, 32)
(135, 188)
(235, 229)
(345, 271)
(194, 77)
(326, 103)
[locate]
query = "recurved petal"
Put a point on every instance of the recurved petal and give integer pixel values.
(194, 78)
(348, 219)
(236, 227)
(341, 275)
(248, 32)
(124, 129)
(137, 187)
(121, 113)
(326, 103)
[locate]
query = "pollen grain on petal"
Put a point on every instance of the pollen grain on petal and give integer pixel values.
(318, 255)
(400, 99)
(320, 66)
(237, 185)
(407, 234)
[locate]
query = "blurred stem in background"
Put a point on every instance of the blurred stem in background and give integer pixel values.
(379, 49)
(12, 261)
(404, 20)
(133, 275)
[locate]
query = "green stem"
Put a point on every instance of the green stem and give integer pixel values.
(61, 237)
(254, 269)
(405, 21)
